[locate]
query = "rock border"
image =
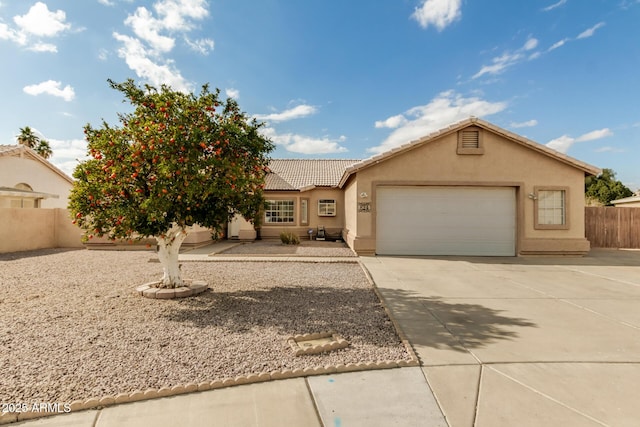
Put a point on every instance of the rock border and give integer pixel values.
(193, 287)
(336, 343)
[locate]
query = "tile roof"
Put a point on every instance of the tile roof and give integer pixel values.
(297, 174)
(587, 168)
(7, 148)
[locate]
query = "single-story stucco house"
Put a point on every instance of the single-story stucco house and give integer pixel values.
(472, 188)
(29, 181)
(627, 202)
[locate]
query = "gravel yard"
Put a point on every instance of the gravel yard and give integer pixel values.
(72, 327)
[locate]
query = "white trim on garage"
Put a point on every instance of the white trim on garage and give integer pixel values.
(465, 221)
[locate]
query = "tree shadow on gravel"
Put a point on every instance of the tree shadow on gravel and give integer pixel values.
(351, 313)
(432, 322)
(290, 310)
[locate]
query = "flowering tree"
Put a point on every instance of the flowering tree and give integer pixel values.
(177, 160)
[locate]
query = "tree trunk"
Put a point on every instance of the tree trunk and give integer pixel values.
(168, 248)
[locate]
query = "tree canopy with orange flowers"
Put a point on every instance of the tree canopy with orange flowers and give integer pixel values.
(177, 160)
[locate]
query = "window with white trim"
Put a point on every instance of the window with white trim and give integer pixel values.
(551, 208)
(326, 207)
(279, 211)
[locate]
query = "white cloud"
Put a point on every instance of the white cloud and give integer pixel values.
(43, 47)
(392, 122)
(156, 33)
(531, 43)
(103, 54)
(202, 46)
(553, 6)
(7, 33)
(66, 153)
(106, 2)
(51, 87)
(136, 57)
(38, 22)
(527, 124)
(439, 13)
(565, 142)
(296, 112)
(590, 32)
(177, 14)
(232, 93)
(146, 27)
(558, 44)
(562, 143)
(508, 59)
(446, 108)
(304, 144)
(596, 134)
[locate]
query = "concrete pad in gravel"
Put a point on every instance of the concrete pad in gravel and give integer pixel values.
(275, 403)
(603, 391)
(74, 419)
(376, 398)
(456, 390)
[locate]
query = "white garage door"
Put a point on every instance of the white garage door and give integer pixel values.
(476, 221)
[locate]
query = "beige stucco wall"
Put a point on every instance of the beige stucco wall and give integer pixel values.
(504, 163)
(332, 224)
(351, 211)
(30, 229)
(16, 170)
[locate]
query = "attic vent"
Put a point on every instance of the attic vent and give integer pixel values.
(470, 139)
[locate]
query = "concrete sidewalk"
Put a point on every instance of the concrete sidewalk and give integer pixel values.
(398, 396)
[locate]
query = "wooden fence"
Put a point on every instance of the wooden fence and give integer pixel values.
(610, 227)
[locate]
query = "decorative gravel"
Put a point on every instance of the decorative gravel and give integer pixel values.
(72, 326)
(311, 248)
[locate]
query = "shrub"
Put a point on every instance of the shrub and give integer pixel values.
(288, 238)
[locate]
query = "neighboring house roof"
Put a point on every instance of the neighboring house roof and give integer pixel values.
(472, 121)
(632, 199)
(304, 174)
(22, 151)
(25, 194)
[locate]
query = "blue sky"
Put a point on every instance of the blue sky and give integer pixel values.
(335, 78)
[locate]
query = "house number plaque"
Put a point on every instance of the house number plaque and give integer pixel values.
(364, 207)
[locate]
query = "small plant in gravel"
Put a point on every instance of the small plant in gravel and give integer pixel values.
(288, 238)
(176, 160)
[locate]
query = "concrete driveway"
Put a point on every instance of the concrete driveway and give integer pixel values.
(523, 341)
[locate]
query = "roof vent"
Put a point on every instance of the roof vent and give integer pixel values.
(470, 139)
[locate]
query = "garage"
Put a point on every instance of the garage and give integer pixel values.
(466, 221)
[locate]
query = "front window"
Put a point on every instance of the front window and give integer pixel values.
(551, 209)
(279, 211)
(326, 207)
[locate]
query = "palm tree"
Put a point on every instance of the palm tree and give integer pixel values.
(44, 149)
(27, 137)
